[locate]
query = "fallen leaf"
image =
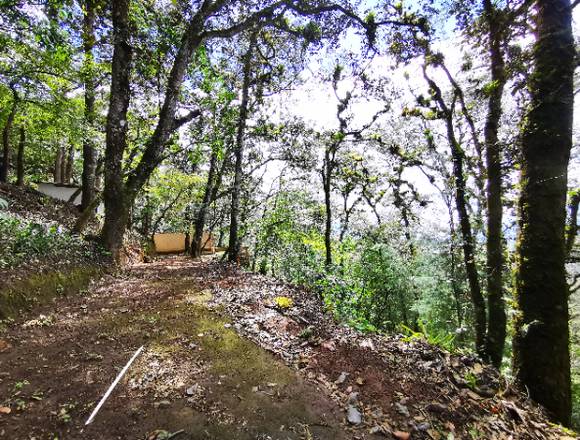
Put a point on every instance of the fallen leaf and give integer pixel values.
(4, 345)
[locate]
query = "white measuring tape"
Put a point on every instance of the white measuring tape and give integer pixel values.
(115, 382)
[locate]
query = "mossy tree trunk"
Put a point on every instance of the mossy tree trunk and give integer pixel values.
(115, 197)
(6, 132)
(496, 324)
(541, 344)
(234, 240)
(89, 150)
(20, 157)
(196, 244)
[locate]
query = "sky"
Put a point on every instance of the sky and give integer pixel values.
(315, 102)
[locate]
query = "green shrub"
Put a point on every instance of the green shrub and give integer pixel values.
(22, 240)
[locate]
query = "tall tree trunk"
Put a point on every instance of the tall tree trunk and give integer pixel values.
(234, 240)
(58, 165)
(572, 226)
(69, 167)
(197, 245)
(541, 343)
(116, 199)
(63, 163)
(468, 243)
(468, 246)
(5, 168)
(20, 157)
(118, 195)
(496, 330)
(326, 183)
(89, 150)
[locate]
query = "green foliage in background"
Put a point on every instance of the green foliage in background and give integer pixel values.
(27, 241)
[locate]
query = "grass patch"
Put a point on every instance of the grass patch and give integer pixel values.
(41, 288)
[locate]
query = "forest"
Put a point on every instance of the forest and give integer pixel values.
(344, 182)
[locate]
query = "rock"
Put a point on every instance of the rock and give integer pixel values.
(436, 407)
(352, 398)
(423, 427)
(192, 390)
(353, 415)
(402, 409)
(162, 404)
(341, 378)
(367, 343)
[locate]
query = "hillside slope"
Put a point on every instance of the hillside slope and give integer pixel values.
(206, 373)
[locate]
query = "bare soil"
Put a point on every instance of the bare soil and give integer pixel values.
(223, 361)
(196, 376)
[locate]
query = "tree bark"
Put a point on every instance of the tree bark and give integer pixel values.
(541, 344)
(496, 331)
(234, 241)
(89, 149)
(468, 246)
(196, 244)
(69, 165)
(326, 183)
(86, 215)
(118, 195)
(58, 166)
(20, 157)
(5, 168)
(63, 163)
(116, 199)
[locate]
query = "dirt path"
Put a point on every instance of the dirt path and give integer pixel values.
(196, 374)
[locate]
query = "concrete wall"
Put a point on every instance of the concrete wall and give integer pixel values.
(64, 192)
(59, 192)
(175, 242)
(169, 242)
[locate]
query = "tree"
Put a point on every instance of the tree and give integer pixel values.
(6, 141)
(541, 352)
(234, 243)
(496, 330)
(460, 187)
(120, 194)
(89, 150)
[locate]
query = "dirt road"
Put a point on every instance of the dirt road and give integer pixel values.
(196, 376)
